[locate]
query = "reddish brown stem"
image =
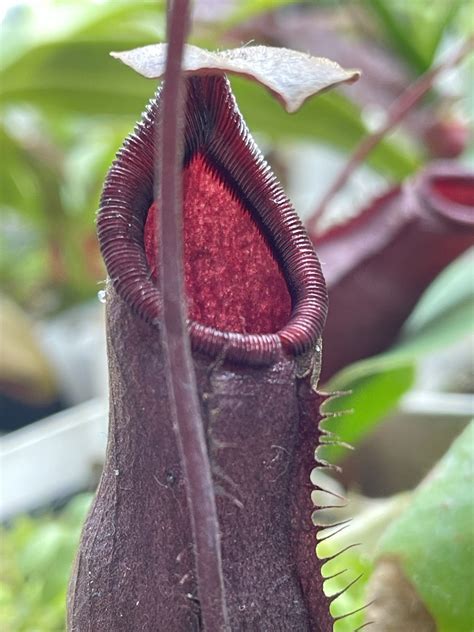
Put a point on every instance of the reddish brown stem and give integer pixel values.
(405, 102)
(184, 404)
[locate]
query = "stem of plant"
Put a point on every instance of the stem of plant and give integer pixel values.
(405, 102)
(184, 402)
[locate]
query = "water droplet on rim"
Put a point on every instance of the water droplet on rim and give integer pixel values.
(102, 296)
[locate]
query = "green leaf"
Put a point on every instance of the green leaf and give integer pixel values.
(369, 400)
(398, 35)
(76, 77)
(400, 22)
(445, 16)
(56, 21)
(365, 528)
(247, 9)
(453, 288)
(20, 184)
(35, 564)
(352, 599)
(29, 182)
(434, 539)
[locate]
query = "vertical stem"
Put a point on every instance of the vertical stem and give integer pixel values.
(180, 371)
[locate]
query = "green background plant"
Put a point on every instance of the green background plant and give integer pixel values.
(36, 558)
(432, 539)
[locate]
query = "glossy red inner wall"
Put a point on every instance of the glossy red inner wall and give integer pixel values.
(458, 190)
(233, 281)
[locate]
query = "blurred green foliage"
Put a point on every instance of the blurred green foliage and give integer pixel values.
(441, 566)
(400, 22)
(36, 559)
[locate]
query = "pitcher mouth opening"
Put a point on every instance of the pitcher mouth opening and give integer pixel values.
(254, 285)
(448, 192)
